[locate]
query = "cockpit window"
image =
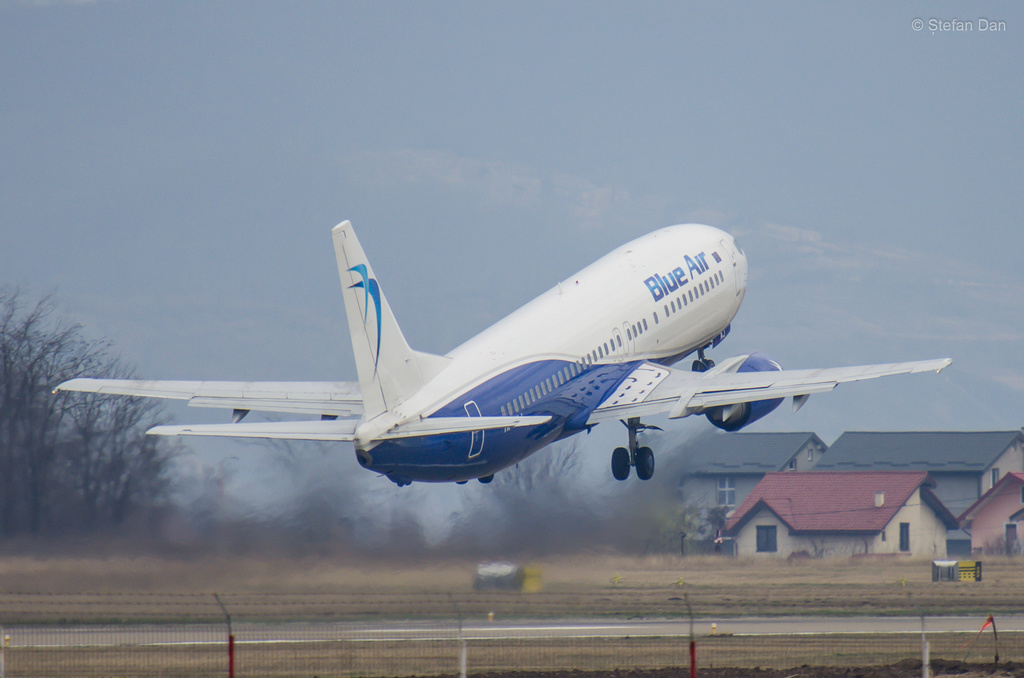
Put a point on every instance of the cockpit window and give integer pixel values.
(737, 245)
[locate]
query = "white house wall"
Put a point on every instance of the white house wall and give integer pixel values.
(927, 536)
(1012, 460)
(957, 491)
(702, 491)
(802, 462)
(927, 532)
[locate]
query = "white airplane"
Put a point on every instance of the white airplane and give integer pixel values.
(597, 347)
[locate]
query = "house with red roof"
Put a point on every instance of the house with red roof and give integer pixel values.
(994, 521)
(842, 513)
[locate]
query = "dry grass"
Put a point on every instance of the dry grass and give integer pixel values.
(147, 587)
(62, 589)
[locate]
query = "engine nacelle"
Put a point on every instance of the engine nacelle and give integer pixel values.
(735, 417)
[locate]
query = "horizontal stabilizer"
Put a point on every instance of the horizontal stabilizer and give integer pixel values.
(345, 430)
(439, 425)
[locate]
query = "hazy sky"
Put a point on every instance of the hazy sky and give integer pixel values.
(172, 170)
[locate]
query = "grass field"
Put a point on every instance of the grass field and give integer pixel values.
(61, 590)
(34, 589)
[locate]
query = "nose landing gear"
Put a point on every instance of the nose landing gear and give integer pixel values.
(640, 457)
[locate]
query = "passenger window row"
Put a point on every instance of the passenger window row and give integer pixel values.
(694, 293)
(545, 387)
(519, 403)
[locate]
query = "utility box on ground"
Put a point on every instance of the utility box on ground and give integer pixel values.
(506, 577)
(970, 570)
(956, 570)
(945, 570)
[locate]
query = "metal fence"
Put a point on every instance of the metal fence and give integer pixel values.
(122, 638)
(439, 648)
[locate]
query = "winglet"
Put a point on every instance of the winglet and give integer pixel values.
(389, 371)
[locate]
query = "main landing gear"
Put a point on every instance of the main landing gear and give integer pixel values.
(702, 364)
(640, 457)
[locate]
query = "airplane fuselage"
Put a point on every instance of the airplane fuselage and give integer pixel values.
(655, 299)
(597, 347)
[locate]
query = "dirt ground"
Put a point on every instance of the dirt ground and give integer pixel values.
(906, 669)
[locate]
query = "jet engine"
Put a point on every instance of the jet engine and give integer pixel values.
(736, 416)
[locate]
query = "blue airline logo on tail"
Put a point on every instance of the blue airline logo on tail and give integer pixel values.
(662, 285)
(370, 289)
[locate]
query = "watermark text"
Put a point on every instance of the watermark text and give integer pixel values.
(979, 25)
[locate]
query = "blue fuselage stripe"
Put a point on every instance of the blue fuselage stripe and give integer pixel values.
(568, 403)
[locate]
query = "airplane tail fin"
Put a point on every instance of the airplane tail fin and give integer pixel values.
(389, 371)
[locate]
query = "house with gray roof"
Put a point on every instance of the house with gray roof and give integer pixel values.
(963, 464)
(721, 468)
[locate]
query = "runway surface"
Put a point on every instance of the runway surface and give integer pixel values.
(304, 632)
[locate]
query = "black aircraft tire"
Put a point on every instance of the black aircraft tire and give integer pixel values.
(644, 463)
(620, 463)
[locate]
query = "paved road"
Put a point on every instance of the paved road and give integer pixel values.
(300, 632)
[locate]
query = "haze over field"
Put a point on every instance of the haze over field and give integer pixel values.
(173, 170)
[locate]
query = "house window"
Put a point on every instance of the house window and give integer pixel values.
(1011, 538)
(766, 542)
(883, 535)
(995, 476)
(810, 454)
(1022, 495)
(726, 491)
(905, 537)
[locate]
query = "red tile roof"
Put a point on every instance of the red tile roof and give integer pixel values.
(837, 501)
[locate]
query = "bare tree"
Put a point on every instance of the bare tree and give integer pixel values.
(37, 355)
(62, 450)
(109, 460)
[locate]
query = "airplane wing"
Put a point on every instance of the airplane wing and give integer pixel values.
(344, 430)
(653, 389)
(332, 398)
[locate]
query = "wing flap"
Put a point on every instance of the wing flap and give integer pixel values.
(290, 406)
(731, 397)
(339, 430)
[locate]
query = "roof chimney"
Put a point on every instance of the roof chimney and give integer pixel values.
(879, 499)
